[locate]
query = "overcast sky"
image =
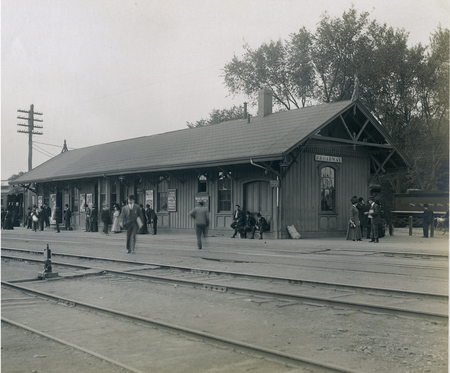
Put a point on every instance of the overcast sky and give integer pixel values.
(104, 70)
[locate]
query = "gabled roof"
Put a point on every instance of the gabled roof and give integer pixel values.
(233, 142)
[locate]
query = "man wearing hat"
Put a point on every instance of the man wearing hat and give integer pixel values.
(362, 218)
(238, 220)
(249, 226)
(375, 219)
(131, 219)
(427, 219)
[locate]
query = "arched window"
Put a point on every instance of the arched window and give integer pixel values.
(327, 189)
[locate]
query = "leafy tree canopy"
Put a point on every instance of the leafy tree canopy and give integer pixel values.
(16, 176)
(405, 87)
(218, 116)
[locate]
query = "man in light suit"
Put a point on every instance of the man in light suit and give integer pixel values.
(131, 219)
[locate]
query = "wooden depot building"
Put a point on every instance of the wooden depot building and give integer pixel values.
(299, 167)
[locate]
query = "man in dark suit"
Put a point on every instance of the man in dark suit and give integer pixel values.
(67, 216)
(362, 218)
(249, 225)
(262, 225)
(131, 219)
(238, 220)
(375, 219)
(152, 219)
(427, 219)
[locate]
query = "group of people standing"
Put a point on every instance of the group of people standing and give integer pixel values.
(148, 216)
(365, 218)
(8, 217)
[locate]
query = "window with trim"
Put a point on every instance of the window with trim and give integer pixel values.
(224, 197)
(113, 194)
(102, 193)
(327, 189)
(162, 195)
(202, 184)
(75, 200)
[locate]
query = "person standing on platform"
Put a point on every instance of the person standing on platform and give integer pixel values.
(143, 229)
(42, 218)
(67, 216)
(152, 219)
(35, 217)
(353, 229)
(367, 221)
(131, 220)
(362, 218)
(116, 227)
(427, 217)
(200, 215)
(94, 218)
(48, 214)
(87, 211)
(57, 217)
(375, 219)
(106, 219)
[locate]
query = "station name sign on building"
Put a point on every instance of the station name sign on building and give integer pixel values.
(328, 158)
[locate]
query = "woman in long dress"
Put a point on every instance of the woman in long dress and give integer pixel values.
(115, 226)
(354, 230)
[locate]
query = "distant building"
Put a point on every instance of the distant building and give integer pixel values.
(299, 167)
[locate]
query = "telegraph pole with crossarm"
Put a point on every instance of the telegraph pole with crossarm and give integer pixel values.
(31, 126)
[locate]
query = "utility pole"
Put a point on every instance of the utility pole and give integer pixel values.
(30, 131)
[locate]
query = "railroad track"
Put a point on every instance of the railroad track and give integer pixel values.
(390, 301)
(140, 335)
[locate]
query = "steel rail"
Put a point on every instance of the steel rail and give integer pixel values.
(443, 297)
(270, 353)
(66, 343)
(308, 298)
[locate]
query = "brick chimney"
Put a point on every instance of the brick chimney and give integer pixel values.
(264, 102)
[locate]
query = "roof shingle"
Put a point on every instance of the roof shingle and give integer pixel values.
(229, 142)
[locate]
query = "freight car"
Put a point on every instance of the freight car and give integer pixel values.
(411, 204)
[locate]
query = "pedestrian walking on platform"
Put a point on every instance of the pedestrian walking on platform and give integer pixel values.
(200, 215)
(131, 220)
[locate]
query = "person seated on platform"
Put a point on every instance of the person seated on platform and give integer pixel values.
(238, 220)
(261, 225)
(249, 226)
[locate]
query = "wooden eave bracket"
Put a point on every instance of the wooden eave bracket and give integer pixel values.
(181, 181)
(381, 166)
(28, 187)
(147, 180)
(205, 174)
(228, 174)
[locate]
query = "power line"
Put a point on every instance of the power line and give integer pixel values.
(57, 146)
(50, 156)
(38, 147)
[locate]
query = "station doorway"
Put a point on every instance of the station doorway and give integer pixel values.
(258, 198)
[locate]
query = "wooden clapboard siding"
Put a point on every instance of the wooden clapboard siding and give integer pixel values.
(301, 190)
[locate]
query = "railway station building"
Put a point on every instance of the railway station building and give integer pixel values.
(299, 167)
